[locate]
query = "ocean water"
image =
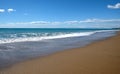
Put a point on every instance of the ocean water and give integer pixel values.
(19, 44)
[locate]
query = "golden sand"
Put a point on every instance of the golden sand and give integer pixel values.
(101, 57)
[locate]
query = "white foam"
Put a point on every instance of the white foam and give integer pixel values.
(12, 40)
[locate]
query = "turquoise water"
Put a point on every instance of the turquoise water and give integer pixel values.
(19, 44)
(11, 35)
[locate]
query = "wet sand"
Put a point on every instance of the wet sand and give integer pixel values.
(102, 57)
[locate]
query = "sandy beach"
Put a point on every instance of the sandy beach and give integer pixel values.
(102, 57)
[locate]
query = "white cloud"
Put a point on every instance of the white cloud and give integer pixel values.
(99, 20)
(67, 22)
(2, 10)
(39, 22)
(116, 6)
(8, 10)
(75, 23)
(55, 23)
(32, 23)
(72, 22)
(11, 10)
(88, 21)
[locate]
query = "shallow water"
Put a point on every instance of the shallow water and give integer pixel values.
(14, 52)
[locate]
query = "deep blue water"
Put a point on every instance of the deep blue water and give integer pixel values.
(19, 44)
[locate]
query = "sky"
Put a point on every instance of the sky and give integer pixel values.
(59, 13)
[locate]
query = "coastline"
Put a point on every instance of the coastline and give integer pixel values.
(101, 57)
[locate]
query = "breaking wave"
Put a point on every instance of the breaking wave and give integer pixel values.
(44, 36)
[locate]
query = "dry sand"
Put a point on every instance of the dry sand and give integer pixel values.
(101, 57)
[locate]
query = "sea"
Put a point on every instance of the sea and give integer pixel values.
(21, 44)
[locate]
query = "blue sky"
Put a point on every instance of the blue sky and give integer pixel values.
(59, 13)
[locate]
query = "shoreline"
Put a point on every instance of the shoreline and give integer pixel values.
(99, 57)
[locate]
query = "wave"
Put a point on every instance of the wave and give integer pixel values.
(45, 37)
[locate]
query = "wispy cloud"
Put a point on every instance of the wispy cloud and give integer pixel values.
(88, 23)
(91, 21)
(2, 10)
(25, 14)
(11, 10)
(33, 22)
(99, 20)
(39, 22)
(116, 6)
(72, 22)
(66, 22)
